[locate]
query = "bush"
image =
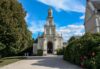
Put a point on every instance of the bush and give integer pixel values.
(60, 51)
(40, 52)
(97, 60)
(2, 46)
(84, 51)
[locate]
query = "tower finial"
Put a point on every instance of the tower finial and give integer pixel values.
(50, 12)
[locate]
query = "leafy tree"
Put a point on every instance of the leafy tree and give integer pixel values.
(13, 29)
(2, 46)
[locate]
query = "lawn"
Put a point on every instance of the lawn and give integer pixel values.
(8, 60)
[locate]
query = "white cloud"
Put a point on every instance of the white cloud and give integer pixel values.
(66, 5)
(26, 18)
(82, 17)
(67, 31)
(36, 26)
(71, 30)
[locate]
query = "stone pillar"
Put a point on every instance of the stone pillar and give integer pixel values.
(45, 47)
(98, 23)
(54, 47)
(35, 48)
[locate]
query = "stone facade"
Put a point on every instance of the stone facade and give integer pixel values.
(50, 41)
(92, 18)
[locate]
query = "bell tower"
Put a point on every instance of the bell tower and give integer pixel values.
(49, 28)
(50, 17)
(51, 40)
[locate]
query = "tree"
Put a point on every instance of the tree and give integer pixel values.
(2, 46)
(71, 39)
(13, 29)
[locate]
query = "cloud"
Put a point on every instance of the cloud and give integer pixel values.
(36, 26)
(67, 31)
(26, 18)
(66, 5)
(82, 17)
(71, 30)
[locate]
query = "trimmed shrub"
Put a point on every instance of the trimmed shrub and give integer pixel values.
(60, 51)
(40, 52)
(84, 51)
(2, 46)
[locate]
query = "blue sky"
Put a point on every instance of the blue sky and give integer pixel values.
(68, 16)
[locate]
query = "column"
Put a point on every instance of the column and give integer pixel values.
(45, 47)
(54, 47)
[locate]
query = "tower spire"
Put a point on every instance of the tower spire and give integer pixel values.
(50, 17)
(50, 12)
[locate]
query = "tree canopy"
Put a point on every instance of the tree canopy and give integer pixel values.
(13, 29)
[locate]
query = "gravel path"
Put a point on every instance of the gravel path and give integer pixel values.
(44, 62)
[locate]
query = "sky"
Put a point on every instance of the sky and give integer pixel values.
(68, 16)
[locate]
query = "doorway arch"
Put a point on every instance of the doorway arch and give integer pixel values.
(49, 47)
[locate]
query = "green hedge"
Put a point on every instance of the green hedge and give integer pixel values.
(60, 51)
(84, 51)
(40, 52)
(2, 46)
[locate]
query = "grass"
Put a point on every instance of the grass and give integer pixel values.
(8, 60)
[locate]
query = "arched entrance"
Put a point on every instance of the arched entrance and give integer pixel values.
(49, 47)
